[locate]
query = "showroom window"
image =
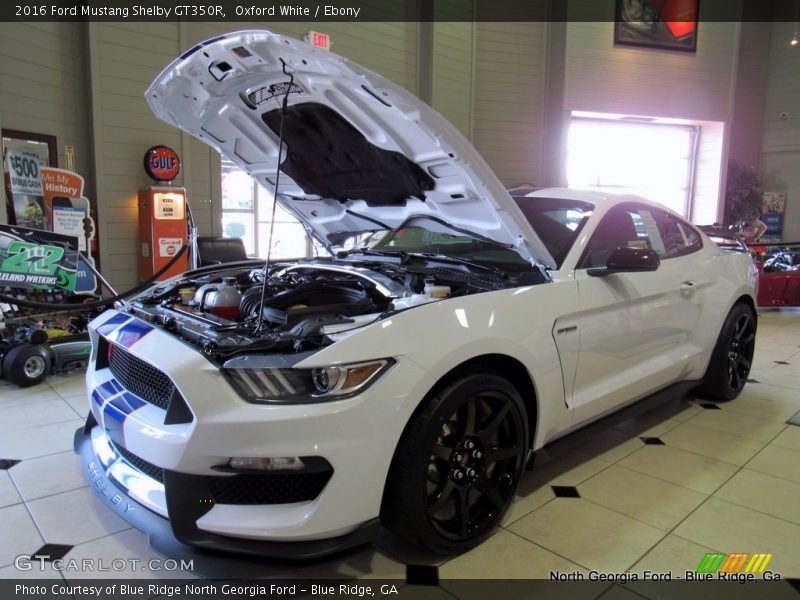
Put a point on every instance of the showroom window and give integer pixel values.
(247, 214)
(651, 160)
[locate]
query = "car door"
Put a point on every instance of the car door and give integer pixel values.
(634, 328)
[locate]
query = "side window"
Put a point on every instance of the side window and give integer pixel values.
(679, 237)
(625, 226)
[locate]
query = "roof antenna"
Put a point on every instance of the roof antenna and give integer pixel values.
(284, 104)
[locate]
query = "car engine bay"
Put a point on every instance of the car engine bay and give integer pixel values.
(228, 310)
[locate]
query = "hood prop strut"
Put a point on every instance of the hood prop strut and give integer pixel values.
(284, 104)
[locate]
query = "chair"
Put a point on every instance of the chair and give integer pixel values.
(218, 250)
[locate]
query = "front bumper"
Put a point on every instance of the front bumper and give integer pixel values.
(163, 460)
(187, 500)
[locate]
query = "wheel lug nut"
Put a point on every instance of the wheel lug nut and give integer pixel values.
(458, 475)
(469, 445)
(457, 457)
(477, 454)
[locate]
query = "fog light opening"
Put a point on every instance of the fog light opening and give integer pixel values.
(266, 463)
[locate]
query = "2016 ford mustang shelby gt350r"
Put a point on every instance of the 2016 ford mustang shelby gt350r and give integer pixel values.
(286, 409)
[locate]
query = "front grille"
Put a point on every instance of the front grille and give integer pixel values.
(268, 488)
(140, 464)
(140, 377)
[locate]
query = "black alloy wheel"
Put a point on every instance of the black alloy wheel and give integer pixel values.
(732, 357)
(742, 348)
(458, 466)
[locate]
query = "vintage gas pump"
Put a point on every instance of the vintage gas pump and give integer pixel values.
(162, 216)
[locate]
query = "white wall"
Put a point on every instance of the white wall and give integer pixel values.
(42, 87)
(707, 181)
(751, 92)
(42, 82)
(780, 161)
(629, 80)
(556, 117)
(123, 59)
(452, 81)
(508, 117)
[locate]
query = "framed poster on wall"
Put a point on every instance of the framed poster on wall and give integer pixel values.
(772, 210)
(24, 154)
(659, 24)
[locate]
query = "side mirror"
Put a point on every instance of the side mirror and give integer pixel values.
(628, 260)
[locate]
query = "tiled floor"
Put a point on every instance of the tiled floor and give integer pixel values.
(722, 478)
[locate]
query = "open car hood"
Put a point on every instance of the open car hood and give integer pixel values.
(359, 153)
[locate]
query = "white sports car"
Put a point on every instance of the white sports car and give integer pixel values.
(287, 409)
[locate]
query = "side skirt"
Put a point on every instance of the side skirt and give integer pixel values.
(577, 438)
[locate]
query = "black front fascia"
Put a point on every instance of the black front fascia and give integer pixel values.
(328, 157)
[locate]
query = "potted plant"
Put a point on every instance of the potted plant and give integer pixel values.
(743, 194)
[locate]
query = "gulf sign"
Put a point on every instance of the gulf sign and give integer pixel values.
(162, 163)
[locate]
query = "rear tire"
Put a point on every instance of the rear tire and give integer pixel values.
(732, 357)
(457, 465)
(26, 365)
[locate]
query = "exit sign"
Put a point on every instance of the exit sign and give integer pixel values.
(320, 40)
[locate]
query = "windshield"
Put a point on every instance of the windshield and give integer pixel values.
(557, 222)
(420, 239)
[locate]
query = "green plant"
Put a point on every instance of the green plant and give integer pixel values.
(743, 195)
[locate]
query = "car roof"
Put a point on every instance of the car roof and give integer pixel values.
(598, 198)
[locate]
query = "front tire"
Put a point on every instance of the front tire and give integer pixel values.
(733, 355)
(458, 464)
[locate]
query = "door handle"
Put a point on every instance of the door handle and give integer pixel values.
(687, 286)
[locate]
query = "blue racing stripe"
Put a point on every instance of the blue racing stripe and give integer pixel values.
(130, 333)
(113, 420)
(111, 410)
(114, 322)
(109, 388)
(127, 403)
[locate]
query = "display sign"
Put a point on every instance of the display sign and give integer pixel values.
(24, 173)
(60, 182)
(773, 208)
(68, 220)
(25, 185)
(168, 247)
(68, 211)
(168, 206)
(30, 258)
(320, 40)
(162, 163)
(85, 280)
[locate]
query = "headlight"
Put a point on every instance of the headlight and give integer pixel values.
(302, 386)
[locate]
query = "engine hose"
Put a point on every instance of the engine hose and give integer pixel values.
(100, 303)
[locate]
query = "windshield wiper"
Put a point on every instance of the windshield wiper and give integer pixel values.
(461, 261)
(430, 256)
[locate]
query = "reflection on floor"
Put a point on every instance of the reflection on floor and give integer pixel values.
(657, 492)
